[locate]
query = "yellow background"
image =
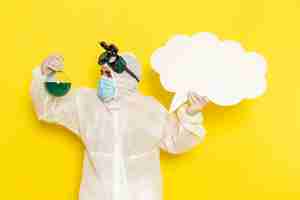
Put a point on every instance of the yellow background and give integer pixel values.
(251, 151)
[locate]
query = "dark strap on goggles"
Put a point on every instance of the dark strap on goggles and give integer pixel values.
(132, 74)
(112, 51)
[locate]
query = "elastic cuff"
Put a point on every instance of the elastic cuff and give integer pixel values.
(37, 73)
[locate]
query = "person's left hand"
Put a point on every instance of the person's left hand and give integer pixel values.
(195, 103)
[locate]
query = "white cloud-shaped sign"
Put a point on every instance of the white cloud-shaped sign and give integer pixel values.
(220, 70)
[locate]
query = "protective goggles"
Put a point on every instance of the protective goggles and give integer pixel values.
(114, 61)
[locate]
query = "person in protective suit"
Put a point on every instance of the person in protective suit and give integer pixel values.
(122, 130)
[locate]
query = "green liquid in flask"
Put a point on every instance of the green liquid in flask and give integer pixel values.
(57, 84)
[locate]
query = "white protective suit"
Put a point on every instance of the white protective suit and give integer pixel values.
(122, 137)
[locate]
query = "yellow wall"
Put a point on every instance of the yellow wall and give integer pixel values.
(252, 150)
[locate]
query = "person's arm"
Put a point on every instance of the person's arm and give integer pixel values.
(51, 109)
(183, 128)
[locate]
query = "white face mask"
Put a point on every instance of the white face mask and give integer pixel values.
(107, 88)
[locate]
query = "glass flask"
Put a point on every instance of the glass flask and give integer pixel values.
(58, 84)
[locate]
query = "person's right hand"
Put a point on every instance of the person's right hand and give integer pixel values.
(54, 62)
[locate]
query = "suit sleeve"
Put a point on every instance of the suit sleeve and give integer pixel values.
(58, 110)
(181, 131)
